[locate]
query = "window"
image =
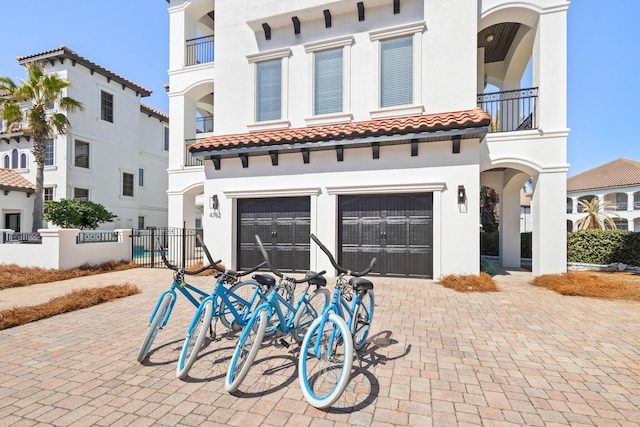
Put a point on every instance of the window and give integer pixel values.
(327, 82)
(127, 184)
(23, 161)
(6, 162)
(140, 177)
(12, 222)
(396, 71)
(106, 106)
(48, 155)
(47, 194)
(81, 194)
(14, 159)
(141, 222)
(166, 139)
(268, 90)
(82, 154)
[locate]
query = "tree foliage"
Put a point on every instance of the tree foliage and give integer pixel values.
(597, 217)
(45, 115)
(69, 213)
(489, 200)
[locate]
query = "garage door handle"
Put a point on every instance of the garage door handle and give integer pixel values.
(383, 235)
(274, 234)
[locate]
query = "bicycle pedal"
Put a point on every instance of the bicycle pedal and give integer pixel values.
(285, 343)
(212, 336)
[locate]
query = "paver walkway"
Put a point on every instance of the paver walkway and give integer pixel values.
(522, 356)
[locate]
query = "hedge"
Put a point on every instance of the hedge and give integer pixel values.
(589, 246)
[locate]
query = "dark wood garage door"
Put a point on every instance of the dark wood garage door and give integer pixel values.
(397, 229)
(283, 225)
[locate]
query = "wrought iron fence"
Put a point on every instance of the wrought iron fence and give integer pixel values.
(96, 237)
(204, 124)
(21, 238)
(180, 246)
(189, 159)
(512, 110)
(199, 50)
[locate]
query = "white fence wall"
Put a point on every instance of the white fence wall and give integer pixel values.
(59, 250)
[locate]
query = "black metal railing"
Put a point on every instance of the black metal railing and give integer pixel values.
(204, 124)
(636, 205)
(21, 238)
(96, 237)
(199, 50)
(190, 159)
(621, 206)
(512, 110)
(180, 245)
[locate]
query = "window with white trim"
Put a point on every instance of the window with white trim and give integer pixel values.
(140, 177)
(47, 194)
(327, 81)
(48, 153)
(269, 90)
(166, 139)
(81, 194)
(23, 160)
(82, 154)
(106, 106)
(6, 163)
(127, 184)
(14, 158)
(396, 71)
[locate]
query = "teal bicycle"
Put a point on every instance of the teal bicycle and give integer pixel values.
(284, 316)
(326, 355)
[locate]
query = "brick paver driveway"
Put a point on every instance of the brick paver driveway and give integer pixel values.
(523, 356)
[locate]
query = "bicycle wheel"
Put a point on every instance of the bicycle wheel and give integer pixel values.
(239, 294)
(324, 376)
(362, 317)
(195, 338)
(308, 311)
(246, 350)
(155, 325)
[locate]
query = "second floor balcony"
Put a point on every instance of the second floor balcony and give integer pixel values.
(199, 50)
(512, 110)
(189, 159)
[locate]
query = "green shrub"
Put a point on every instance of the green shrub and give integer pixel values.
(490, 244)
(603, 247)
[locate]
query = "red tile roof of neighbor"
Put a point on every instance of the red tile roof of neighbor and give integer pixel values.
(615, 174)
(475, 118)
(12, 180)
(64, 52)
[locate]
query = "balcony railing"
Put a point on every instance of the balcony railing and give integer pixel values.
(621, 206)
(512, 110)
(636, 205)
(199, 50)
(204, 124)
(189, 159)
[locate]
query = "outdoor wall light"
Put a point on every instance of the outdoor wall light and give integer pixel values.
(462, 195)
(489, 38)
(213, 202)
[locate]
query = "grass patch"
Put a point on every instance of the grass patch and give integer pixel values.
(12, 275)
(607, 285)
(469, 283)
(75, 300)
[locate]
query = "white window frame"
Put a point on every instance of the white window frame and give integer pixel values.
(81, 188)
(415, 30)
(53, 192)
(75, 155)
(133, 184)
(345, 116)
(113, 106)
(53, 152)
(254, 59)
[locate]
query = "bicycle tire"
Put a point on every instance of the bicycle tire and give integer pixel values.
(244, 290)
(320, 383)
(308, 312)
(246, 350)
(362, 317)
(154, 326)
(189, 354)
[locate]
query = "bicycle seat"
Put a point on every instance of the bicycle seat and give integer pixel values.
(263, 279)
(361, 284)
(319, 280)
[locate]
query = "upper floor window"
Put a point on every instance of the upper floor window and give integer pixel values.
(127, 184)
(166, 139)
(269, 90)
(106, 106)
(48, 155)
(82, 154)
(47, 194)
(396, 71)
(81, 194)
(23, 161)
(14, 158)
(140, 177)
(5, 162)
(327, 82)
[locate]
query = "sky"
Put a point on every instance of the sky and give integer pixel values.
(131, 38)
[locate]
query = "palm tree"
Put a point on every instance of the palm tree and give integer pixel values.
(597, 218)
(41, 92)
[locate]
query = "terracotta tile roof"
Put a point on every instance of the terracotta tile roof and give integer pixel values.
(12, 180)
(615, 174)
(66, 53)
(475, 118)
(147, 109)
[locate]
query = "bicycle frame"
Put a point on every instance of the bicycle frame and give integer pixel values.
(184, 288)
(274, 303)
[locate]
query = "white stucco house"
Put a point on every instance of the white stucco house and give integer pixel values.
(366, 123)
(116, 152)
(616, 182)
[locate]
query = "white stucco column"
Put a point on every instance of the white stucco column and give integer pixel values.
(630, 201)
(510, 228)
(549, 223)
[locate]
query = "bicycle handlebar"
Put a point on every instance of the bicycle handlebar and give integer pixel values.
(340, 268)
(176, 268)
(215, 265)
(276, 271)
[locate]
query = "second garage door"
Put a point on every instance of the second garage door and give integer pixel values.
(395, 228)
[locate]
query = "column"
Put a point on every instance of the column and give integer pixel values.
(510, 227)
(549, 223)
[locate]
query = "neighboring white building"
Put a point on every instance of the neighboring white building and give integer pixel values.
(362, 123)
(525, 212)
(115, 154)
(616, 182)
